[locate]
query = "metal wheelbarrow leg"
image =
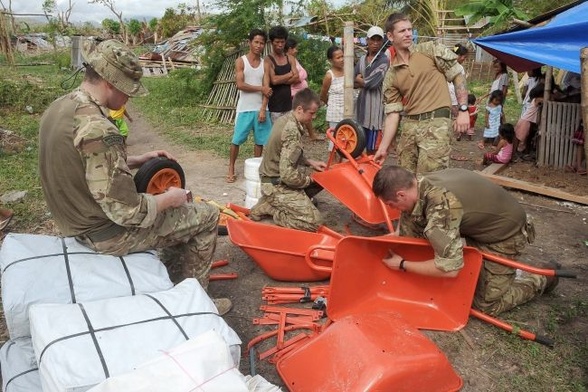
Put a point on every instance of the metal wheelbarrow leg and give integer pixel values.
(527, 268)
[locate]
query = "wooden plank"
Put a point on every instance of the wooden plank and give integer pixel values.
(494, 168)
(538, 189)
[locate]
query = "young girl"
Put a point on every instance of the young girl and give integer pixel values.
(332, 88)
(494, 118)
(504, 147)
(473, 111)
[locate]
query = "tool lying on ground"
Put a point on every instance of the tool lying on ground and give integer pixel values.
(284, 295)
(222, 276)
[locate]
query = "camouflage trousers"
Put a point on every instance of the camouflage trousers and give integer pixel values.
(501, 288)
(424, 146)
(290, 207)
(185, 235)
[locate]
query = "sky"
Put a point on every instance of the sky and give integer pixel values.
(131, 9)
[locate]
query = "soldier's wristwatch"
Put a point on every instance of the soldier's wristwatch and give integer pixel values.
(463, 108)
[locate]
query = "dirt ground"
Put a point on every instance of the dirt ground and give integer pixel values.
(475, 353)
(561, 232)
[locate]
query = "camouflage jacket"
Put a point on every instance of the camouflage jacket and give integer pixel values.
(86, 180)
(283, 154)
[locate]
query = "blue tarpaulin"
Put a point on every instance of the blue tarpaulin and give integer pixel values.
(557, 43)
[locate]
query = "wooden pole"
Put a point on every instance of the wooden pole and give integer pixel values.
(348, 55)
(542, 156)
(584, 74)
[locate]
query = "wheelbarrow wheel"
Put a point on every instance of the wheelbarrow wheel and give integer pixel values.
(351, 135)
(158, 174)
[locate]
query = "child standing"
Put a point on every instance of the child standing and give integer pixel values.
(118, 117)
(494, 118)
(473, 111)
(504, 147)
(332, 88)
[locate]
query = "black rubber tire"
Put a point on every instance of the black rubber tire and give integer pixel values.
(359, 135)
(150, 168)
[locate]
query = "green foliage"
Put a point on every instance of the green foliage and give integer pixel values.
(134, 26)
(312, 54)
(176, 20)
(111, 26)
(501, 12)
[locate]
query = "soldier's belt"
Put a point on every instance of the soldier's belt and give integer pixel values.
(438, 113)
(270, 180)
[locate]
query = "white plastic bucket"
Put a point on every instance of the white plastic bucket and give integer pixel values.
(253, 188)
(252, 168)
(250, 201)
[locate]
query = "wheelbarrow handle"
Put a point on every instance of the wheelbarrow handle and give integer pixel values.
(528, 268)
(509, 328)
(325, 256)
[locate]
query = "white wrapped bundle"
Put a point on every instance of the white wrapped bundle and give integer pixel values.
(45, 269)
(19, 367)
(202, 364)
(80, 345)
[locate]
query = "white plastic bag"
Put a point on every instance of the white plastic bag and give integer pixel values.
(80, 345)
(46, 269)
(19, 367)
(201, 364)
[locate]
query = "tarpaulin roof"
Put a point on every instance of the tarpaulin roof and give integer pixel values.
(557, 43)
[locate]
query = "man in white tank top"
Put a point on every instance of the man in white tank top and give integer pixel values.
(254, 92)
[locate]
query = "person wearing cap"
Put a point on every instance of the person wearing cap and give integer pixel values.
(87, 181)
(416, 85)
(369, 75)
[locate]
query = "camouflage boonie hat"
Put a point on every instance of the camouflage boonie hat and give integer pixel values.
(119, 66)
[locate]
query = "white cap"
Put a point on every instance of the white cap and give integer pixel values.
(375, 30)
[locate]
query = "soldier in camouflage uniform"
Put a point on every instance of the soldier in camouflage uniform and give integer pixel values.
(87, 180)
(286, 189)
(442, 208)
(416, 84)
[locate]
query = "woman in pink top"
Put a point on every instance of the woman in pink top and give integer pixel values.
(504, 147)
(291, 49)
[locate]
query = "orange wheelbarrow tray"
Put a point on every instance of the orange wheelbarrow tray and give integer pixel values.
(286, 254)
(362, 283)
(377, 351)
(351, 181)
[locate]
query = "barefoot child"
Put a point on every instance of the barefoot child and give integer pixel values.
(494, 117)
(504, 147)
(473, 111)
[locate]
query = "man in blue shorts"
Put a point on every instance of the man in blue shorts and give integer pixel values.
(254, 92)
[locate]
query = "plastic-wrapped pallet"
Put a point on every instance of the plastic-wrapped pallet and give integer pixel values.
(46, 269)
(80, 345)
(202, 364)
(19, 367)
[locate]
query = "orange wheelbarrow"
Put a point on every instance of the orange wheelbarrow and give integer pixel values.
(351, 181)
(286, 254)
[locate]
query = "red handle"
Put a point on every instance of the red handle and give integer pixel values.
(311, 264)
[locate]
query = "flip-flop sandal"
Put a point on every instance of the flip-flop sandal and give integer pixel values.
(231, 178)
(459, 158)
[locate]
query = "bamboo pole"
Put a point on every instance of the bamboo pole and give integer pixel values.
(348, 53)
(584, 106)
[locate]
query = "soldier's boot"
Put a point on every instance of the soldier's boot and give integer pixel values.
(552, 281)
(261, 210)
(223, 305)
